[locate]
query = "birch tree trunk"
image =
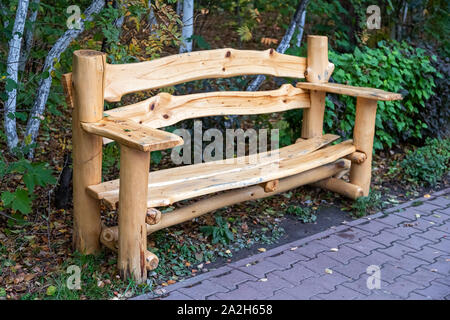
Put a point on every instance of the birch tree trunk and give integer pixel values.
(284, 43)
(179, 8)
(301, 27)
(188, 26)
(12, 69)
(151, 17)
(29, 34)
(53, 56)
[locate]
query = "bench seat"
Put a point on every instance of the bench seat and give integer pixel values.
(171, 185)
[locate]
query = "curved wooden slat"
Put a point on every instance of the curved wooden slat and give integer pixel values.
(221, 63)
(164, 109)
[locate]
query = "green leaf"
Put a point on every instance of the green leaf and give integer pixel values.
(22, 201)
(7, 198)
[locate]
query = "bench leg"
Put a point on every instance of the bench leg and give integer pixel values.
(134, 170)
(363, 134)
(87, 77)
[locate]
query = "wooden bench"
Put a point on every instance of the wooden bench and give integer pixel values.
(138, 192)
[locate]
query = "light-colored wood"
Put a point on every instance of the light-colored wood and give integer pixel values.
(340, 186)
(363, 134)
(271, 186)
(368, 93)
(151, 261)
(172, 185)
(109, 190)
(319, 69)
(153, 216)
(312, 125)
(134, 168)
(357, 157)
(236, 196)
(133, 135)
(164, 109)
(166, 186)
(88, 72)
(66, 81)
(109, 239)
(221, 63)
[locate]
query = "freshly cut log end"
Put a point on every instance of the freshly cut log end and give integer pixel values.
(340, 186)
(357, 157)
(153, 216)
(151, 261)
(271, 186)
(109, 237)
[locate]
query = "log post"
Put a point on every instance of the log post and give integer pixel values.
(363, 134)
(134, 168)
(319, 69)
(88, 84)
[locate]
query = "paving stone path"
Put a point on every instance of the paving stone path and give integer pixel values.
(407, 246)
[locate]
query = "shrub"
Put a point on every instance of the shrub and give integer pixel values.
(427, 165)
(393, 66)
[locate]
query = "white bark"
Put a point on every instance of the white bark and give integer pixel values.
(28, 37)
(284, 43)
(54, 54)
(188, 26)
(151, 17)
(301, 27)
(12, 69)
(180, 8)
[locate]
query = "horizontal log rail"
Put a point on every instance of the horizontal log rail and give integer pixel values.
(368, 93)
(122, 79)
(164, 109)
(110, 236)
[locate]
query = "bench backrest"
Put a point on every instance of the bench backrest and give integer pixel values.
(164, 109)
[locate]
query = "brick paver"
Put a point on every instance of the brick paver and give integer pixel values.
(410, 246)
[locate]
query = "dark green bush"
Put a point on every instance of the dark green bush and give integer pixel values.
(394, 67)
(427, 165)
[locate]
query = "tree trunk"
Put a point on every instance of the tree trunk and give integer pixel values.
(285, 42)
(301, 28)
(188, 26)
(12, 69)
(180, 8)
(151, 17)
(28, 37)
(59, 47)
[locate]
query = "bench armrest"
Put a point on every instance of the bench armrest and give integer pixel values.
(368, 93)
(133, 135)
